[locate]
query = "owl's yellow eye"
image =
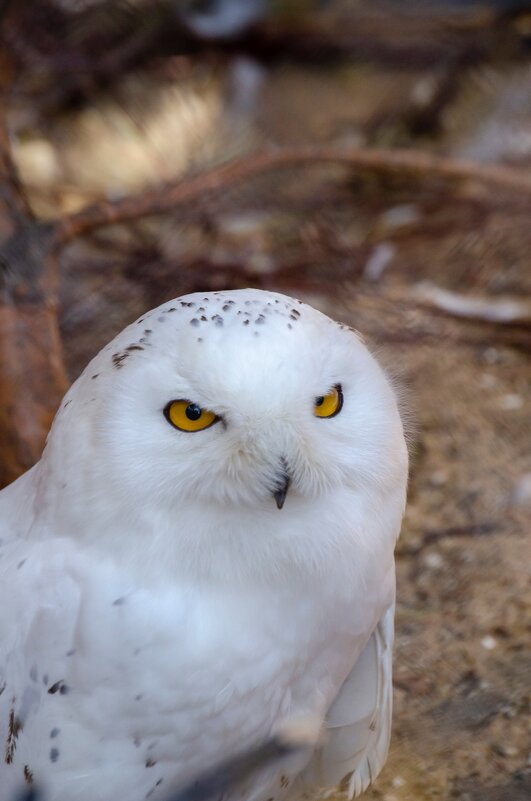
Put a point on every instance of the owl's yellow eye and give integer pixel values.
(188, 416)
(329, 405)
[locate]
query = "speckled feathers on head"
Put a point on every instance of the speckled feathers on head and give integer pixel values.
(220, 338)
(258, 360)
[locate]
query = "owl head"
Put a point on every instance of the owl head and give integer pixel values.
(248, 404)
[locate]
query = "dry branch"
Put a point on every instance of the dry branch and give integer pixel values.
(32, 374)
(436, 535)
(403, 163)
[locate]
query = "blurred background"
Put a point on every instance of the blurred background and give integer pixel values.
(372, 158)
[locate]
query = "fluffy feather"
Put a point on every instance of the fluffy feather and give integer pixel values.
(157, 611)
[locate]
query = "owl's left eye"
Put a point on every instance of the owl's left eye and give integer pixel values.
(188, 416)
(329, 405)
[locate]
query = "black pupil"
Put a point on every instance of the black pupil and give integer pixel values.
(319, 401)
(193, 411)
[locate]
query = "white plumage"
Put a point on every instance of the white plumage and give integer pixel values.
(158, 612)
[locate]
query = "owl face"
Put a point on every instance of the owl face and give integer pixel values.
(244, 398)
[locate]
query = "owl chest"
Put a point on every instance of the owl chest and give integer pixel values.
(169, 683)
(202, 659)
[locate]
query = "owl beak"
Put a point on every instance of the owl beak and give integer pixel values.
(282, 487)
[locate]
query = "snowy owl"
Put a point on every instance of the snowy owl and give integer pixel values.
(203, 553)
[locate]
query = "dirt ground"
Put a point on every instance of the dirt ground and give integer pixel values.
(403, 261)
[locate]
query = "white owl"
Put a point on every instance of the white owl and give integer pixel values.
(204, 552)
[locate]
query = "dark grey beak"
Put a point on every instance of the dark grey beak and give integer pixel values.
(282, 489)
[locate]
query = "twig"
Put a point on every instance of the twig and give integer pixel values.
(412, 163)
(435, 535)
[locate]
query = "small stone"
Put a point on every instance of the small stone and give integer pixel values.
(511, 402)
(434, 561)
(379, 259)
(521, 494)
(489, 643)
(488, 381)
(491, 356)
(438, 478)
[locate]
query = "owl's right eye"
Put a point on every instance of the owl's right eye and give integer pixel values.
(189, 416)
(329, 405)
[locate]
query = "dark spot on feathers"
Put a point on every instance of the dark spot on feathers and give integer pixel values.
(296, 312)
(173, 309)
(161, 319)
(246, 322)
(284, 781)
(13, 730)
(67, 403)
(148, 331)
(134, 347)
(150, 763)
(21, 563)
(54, 754)
(95, 376)
(225, 307)
(194, 321)
(54, 732)
(139, 696)
(2, 688)
(292, 317)
(199, 339)
(118, 359)
(60, 687)
(140, 321)
(187, 304)
(290, 325)
(204, 319)
(33, 673)
(218, 320)
(119, 601)
(45, 679)
(260, 320)
(28, 775)
(150, 792)
(71, 652)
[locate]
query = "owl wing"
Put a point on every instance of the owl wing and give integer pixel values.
(38, 614)
(358, 724)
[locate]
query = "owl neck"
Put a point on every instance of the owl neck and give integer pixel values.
(229, 543)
